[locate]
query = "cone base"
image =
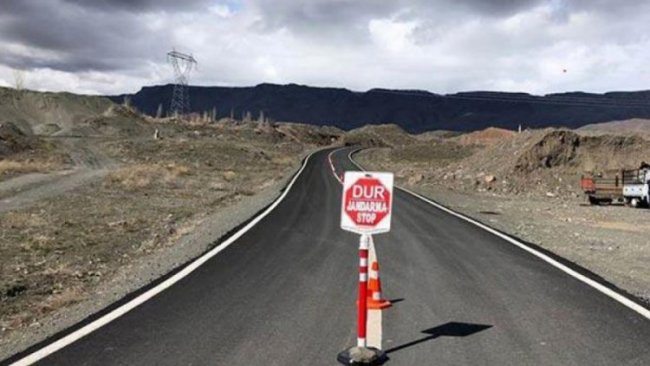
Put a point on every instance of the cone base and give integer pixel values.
(362, 356)
(379, 305)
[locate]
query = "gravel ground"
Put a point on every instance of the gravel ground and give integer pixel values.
(611, 241)
(141, 270)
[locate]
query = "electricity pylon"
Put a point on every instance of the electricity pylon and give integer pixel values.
(183, 65)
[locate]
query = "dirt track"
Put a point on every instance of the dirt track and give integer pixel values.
(128, 210)
(88, 164)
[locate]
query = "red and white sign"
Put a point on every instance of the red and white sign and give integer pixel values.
(367, 202)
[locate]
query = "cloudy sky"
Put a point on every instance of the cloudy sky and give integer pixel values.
(536, 46)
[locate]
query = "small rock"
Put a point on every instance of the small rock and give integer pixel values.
(218, 186)
(117, 223)
(414, 179)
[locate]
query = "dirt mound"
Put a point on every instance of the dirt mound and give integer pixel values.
(562, 150)
(488, 136)
(570, 151)
(437, 135)
(13, 140)
(37, 113)
(628, 127)
(388, 135)
(548, 161)
(545, 161)
(309, 134)
(556, 148)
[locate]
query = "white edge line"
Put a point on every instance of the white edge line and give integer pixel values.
(594, 284)
(118, 312)
(329, 158)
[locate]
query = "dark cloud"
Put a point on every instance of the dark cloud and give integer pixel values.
(73, 38)
(141, 5)
(89, 35)
(64, 63)
(313, 14)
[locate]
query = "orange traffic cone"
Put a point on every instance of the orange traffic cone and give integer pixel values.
(375, 300)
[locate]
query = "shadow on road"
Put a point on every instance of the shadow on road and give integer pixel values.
(451, 329)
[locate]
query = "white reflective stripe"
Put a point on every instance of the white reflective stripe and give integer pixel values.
(363, 262)
(374, 275)
(361, 342)
(376, 295)
(374, 329)
(363, 277)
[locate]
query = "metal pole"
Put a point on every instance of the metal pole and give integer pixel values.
(363, 290)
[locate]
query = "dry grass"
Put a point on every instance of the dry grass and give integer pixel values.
(25, 166)
(24, 220)
(624, 226)
(142, 175)
(282, 160)
(229, 176)
(62, 299)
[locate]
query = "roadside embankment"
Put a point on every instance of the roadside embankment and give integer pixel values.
(611, 241)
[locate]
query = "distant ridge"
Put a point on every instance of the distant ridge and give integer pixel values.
(414, 110)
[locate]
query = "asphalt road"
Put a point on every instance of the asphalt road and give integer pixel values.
(284, 294)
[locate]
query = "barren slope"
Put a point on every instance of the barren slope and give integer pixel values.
(528, 185)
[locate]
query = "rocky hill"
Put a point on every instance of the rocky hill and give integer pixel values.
(67, 114)
(533, 162)
(414, 111)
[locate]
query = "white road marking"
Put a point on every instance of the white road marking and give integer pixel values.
(640, 309)
(329, 158)
(107, 318)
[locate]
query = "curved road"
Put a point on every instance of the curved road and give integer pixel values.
(284, 294)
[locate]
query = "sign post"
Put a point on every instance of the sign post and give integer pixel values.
(366, 209)
(362, 310)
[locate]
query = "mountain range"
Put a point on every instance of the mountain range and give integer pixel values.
(415, 111)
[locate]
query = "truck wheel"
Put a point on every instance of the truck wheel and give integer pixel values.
(634, 202)
(593, 200)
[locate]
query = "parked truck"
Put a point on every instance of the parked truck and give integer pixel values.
(601, 189)
(635, 187)
(628, 186)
